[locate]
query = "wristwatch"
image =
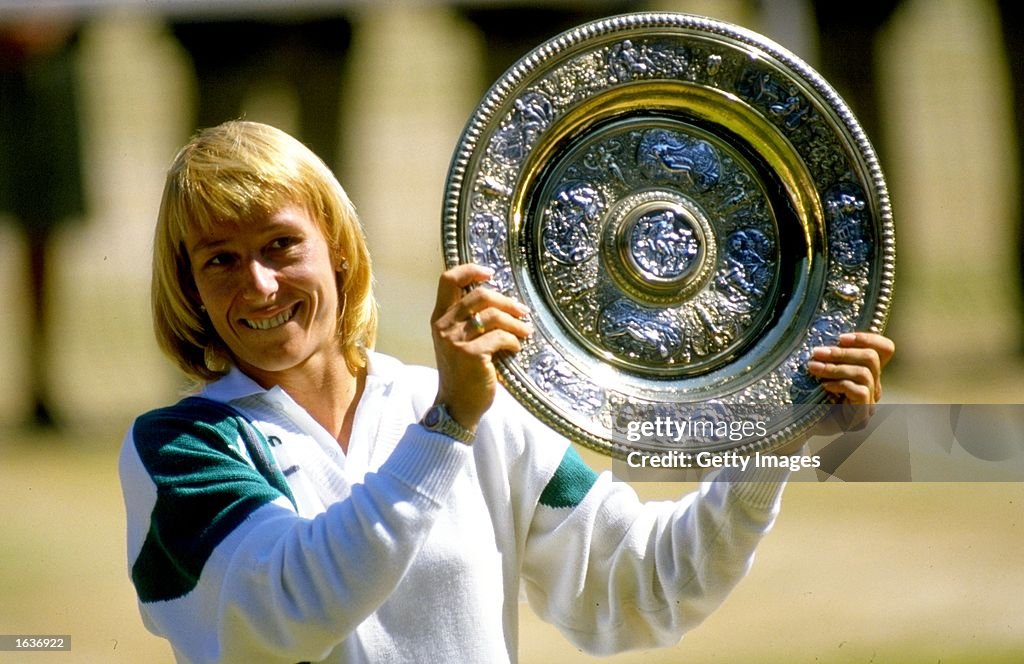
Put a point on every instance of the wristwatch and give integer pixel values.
(438, 420)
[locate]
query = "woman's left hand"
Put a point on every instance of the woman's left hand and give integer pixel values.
(470, 326)
(852, 370)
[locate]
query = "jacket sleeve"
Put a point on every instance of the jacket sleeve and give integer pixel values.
(228, 572)
(613, 573)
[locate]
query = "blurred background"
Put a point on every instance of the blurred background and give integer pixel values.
(96, 96)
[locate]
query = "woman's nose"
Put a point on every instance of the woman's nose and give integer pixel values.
(261, 280)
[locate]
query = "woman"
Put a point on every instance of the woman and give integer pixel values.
(320, 501)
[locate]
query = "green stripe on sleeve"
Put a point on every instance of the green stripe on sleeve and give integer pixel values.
(570, 483)
(205, 489)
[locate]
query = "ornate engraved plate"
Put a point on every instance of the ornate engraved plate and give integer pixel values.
(688, 209)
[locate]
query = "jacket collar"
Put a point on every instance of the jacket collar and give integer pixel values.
(236, 385)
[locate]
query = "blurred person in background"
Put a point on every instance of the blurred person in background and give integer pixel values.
(1011, 16)
(317, 500)
(40, 168)
(299, 51)
(511, 29)
(848, 44)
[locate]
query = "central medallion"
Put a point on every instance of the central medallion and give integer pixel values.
(658, 247)
(664, 244)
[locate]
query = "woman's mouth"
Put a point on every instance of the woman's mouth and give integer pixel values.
(271, 323)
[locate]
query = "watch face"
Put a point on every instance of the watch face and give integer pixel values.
(432, 418)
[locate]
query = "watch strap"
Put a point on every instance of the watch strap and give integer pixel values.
(438, 420)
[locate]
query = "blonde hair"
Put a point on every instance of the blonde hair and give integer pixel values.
(230, 173)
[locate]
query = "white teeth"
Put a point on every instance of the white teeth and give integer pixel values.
(270, 323)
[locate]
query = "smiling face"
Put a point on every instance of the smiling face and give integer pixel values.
(247, 194)
(270, 290)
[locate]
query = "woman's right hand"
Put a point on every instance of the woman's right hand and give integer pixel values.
(469, 328)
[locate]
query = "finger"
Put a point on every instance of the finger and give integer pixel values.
(492, 343)
(480, 299)
(856, 382)
(864, 357)
(851, 391)
(842, 371)
(478, 353)
(498, 341)
(883, 346)
(493, 319)
(857, 356)
(452, 284)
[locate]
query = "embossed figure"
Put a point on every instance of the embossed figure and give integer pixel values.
(663, 244)
(665, 155)
(535, 112)
(827, 329)
(531, 114)
(570, 221)
(605, 158)
(714, 64)
(711, 331)
(627, 61)
(846, 214)
(750, 269)
(487, 235)
(782, 101)
(641, 333)
(555, 378)
(803, 384)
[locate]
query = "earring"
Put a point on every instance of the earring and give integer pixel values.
(344, 265)
(214, 359)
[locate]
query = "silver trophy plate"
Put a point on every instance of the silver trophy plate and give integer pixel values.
(688, 209)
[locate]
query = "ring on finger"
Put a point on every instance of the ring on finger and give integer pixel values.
(476, 324)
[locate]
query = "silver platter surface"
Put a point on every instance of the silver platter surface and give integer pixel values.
(688, 209)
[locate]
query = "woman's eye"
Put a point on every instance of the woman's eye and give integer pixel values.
(284, 242)
(219, 260)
